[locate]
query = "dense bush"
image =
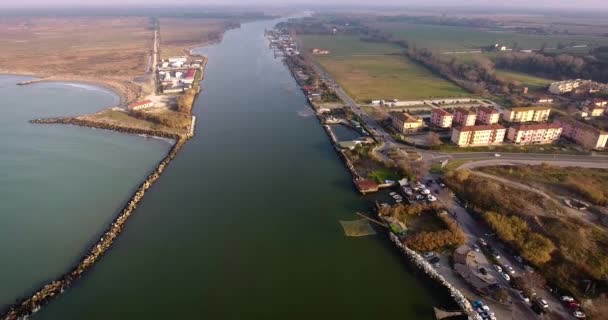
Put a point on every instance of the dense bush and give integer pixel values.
(453, 236)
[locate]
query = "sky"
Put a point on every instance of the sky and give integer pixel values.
(443, 3)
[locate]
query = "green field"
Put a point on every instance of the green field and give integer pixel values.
(373, 71)
(347, 45)
(532, 82)
(387, 77)
(466, 38)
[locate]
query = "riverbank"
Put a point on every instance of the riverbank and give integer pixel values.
(299, 73)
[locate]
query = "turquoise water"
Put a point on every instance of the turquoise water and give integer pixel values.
(59, 185)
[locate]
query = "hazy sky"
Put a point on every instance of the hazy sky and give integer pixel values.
(581, 4)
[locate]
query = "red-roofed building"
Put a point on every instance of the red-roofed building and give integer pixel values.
(464, 117)
(540, 133)
(484, 135)
(441, 118)
(487, 115)
(366, 186)
(140, 105)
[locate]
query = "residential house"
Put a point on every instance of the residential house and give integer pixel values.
(538, 133)
(482, 135)
(441, 118)
(585, 135)
(487, 115)
(405, 123)
(140, 105)
(464, 117)
(527, 114)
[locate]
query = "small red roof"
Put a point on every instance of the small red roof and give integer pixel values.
(441, 112)
(365, 185)
(139, 103)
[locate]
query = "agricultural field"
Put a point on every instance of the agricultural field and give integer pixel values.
(347, 45)
(370, 71)
(86, 46)
(534, 83)
(178, 35)
(452, 38)
(387, 77)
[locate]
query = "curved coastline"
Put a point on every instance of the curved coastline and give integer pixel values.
(32, 303)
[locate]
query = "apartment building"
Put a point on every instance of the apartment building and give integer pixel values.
(564, 86)
(441, 118)
(539, 133)
(527, 114)
(482, 135)
(583, 134)
(406, 123)
(487, 115)
(464, 117)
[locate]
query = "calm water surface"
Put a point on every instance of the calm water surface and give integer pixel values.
(59, 185)
(245, 222)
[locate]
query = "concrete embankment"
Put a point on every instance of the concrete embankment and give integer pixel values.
(29, 305)
(421, 264)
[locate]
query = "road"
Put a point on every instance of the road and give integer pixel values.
(474, 231)
(472, 228)
(597, 161)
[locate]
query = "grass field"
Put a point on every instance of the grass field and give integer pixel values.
(347, 45)
(532, 82)
(87, 46)
(177, 36)
(465, 38)
(387, 77)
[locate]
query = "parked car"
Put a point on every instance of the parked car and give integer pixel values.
(483, 271)
(567, 299)
(441, 184)
(497, 155)
(497, 267)
(518, 259)
(482, 242)
(475, 247)
(579, 314)
(431, 198)
(528, 268)
(494, 254)
(505, 276)
(434, 260)
(572, 305)
(428, 254)
(541, 302)
(509, 269)
(523, 296)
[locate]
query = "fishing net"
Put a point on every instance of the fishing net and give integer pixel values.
(357, 228)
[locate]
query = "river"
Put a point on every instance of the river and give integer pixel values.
(245, 221)
(59, 185)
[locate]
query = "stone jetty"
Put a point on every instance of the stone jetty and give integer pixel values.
(22, 309)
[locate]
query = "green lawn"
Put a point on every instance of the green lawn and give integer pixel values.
(530, 81)
(381, 175)
(347, 45)
(387, 77)
(467, 38)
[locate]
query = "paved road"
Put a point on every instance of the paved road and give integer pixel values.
(474, 231)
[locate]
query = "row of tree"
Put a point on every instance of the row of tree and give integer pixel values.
(562, 66)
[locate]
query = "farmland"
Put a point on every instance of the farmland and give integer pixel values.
(452, 38)
(85, 46)
(369, 71)
(532, 82)
(177, 36)
(347, 45)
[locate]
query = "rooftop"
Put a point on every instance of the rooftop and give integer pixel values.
(520, 109)
(463, 110)
(480, 128)
(488, 110)
(139, 103)
(405, 117)
(441, 111)
(536, 126)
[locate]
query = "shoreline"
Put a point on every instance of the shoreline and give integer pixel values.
(412, 257)
(27, 306)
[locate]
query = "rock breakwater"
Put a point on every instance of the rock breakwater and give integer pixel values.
(25, 307)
